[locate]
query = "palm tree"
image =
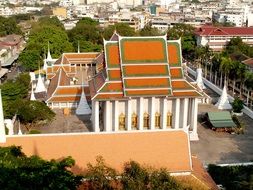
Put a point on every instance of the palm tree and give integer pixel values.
(225, 66)
(241, 71)
(233, 74)
(216, 65)
(249, 83)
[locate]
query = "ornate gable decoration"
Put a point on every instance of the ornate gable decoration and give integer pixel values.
(143, 66)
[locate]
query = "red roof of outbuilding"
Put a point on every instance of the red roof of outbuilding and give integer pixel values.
(224, 31)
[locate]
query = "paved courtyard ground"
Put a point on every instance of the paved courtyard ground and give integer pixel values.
(217, 147)
(67, 124)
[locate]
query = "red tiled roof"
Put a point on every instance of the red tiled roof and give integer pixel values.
(142, 66)
(224, 31)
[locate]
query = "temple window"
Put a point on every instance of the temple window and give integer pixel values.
(134, 121)
(122, 122)
(157, 120)
(146, 120)
(169, 120)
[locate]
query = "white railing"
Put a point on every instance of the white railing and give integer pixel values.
(218, 90)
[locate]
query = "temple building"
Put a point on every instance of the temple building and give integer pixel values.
(142, 87)
(67, 78)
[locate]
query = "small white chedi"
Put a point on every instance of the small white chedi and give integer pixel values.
(223, 102)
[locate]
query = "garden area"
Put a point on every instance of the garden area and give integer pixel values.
(17, 103)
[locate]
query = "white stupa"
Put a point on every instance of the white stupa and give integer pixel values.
(32, 95)
(19, 129)
(2, 127)
(40, 85)
(78, 48)
(83, 107)
(199, 79)
(49, 57)
(223, 102)
(45, 65)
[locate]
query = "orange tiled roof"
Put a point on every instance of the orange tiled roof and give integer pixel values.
(142, 66)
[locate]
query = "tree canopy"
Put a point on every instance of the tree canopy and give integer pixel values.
(148, 30)
(9, 26)
(121, 28)
(19, 171)
(46, 30)
(186, 33)
(88, 34)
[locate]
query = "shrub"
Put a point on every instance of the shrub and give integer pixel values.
(237, 105)
(34, 131)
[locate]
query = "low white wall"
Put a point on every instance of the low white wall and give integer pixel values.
(216, 89)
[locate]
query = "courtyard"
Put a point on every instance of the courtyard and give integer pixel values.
(217, 147)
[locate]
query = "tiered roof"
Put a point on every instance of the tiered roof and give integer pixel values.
(69, 61)
(141, 66)
(60, 90)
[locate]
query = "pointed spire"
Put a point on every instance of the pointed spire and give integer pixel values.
(83, 107)
(2, 126)
(19, 129)
(223, 102)
(49, 58)
(40, 85)
(45, 65)
(32, 94)
(78, 48)
(199, 79)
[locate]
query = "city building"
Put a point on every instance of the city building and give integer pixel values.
(60, 12)
(142, 87)
(217, 37)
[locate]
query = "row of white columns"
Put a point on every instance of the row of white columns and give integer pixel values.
(184, 114)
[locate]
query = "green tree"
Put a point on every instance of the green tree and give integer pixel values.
(100, 176)
(34, 111)
(18, 171)
(148, 30)
(30, 59)
(88, 33)
(186, 33)
(9, 26)
(134, 176)
(122, 29)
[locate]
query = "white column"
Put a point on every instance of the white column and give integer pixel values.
(107, 118)
(177, 113)
(152, 114)
(95, 115)
(140, 114)
(129, 115)
(185, 114)
(2, 127)
(194, 121)
(116, 115)
(164, 113)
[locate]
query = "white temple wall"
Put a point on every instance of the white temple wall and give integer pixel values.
(122, 107)
(134, 105)
(146, 105)
(181, 113)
